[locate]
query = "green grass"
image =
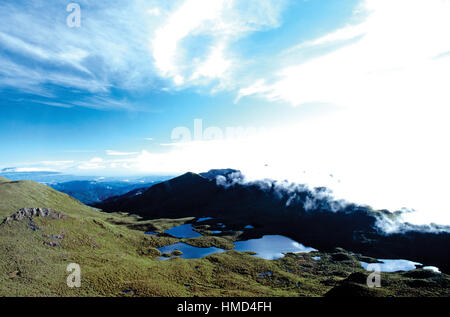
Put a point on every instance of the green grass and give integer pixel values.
(21, 194)
(117, 259)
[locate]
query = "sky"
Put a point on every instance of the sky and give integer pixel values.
(349, 94)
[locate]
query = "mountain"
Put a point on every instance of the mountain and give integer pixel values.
(90, 192)
(310, 216)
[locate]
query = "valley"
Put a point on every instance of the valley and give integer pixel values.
(118, 258)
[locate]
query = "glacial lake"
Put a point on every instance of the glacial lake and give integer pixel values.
(268, 247)
(189, 252)
(183, 231)
(204, 219)
(394, 265)
(272, 247)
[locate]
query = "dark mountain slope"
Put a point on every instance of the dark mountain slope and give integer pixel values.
(310, 216)
(190, 192)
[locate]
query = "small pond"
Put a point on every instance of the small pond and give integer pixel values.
(183, 231)
(394, 265)
(267, 247)
(272, 247)
(204, 219)
(189, 252)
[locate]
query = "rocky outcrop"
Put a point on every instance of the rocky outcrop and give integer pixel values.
(30, 213)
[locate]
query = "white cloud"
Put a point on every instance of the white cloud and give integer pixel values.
(213, 26)
(29, 170)
(349, 32)
(387, 137)
(154, 11)
(393, 59)
(117, 153)
(96, 160)
(190, 16)
(215, 66)
(96, 163)
(259, 87)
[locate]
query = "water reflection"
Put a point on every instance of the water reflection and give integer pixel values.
(189, 252)
(272, 247)
(183, 231)
(394, 265)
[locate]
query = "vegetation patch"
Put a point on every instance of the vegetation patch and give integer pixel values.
(211, 241)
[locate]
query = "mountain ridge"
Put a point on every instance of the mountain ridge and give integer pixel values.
(306, 215)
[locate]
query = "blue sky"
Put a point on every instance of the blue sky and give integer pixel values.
(356, 89)
(64, 99)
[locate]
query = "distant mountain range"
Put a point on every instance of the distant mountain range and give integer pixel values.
(90, 192)
(311, 216)
(87, 189)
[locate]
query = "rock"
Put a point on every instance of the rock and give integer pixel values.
(341, 257)
(30, 213)
(33, 226)
(14, 274)
(265, 274)
(51, 244)
(177, 253)
(129, 291)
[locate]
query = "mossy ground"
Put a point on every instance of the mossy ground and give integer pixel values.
(118, 259)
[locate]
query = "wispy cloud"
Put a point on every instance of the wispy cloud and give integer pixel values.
(109, 51)
(129, 46)
(210, 27)
(117, 153)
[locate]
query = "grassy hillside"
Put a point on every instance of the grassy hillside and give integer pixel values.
(22, 194)
(117, 259)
